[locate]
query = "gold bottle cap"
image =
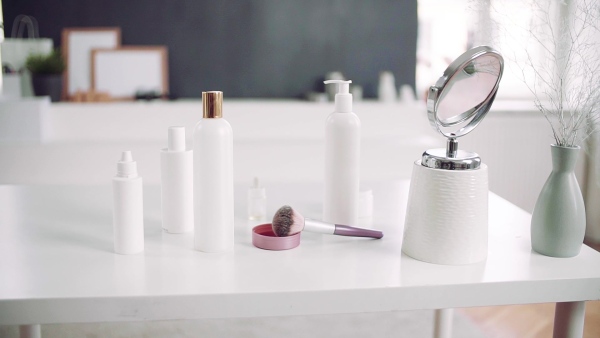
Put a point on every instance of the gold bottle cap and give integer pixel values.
(212, 104)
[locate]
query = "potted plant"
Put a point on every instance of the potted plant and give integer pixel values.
(564, 85)
(46, 74)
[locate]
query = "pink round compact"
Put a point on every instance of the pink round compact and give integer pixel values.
(263, 237)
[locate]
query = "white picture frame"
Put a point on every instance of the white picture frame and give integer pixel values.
(77, 44)
(123, 72)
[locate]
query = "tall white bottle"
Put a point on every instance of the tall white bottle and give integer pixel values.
(342, 157)
(213, 177)
(128, 209)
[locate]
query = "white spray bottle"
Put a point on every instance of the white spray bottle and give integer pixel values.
(128, 207)
(342, 160)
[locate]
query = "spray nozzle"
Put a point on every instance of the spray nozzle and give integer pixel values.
(126, 167)
(343, 86)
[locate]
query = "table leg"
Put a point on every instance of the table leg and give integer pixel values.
(443, 323)
(30, 331)
(568, 320)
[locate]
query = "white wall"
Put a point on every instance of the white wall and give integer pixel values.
(82, 142)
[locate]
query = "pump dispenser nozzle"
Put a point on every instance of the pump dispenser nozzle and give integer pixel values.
(343, 86)
(343, 98)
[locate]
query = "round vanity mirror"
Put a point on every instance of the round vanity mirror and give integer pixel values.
(458, 101)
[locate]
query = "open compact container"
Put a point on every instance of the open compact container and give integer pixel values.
(263, 237)
(447, 212)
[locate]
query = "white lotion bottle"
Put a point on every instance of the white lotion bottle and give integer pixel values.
(176, 177)
(213, 178)
(342, 160)
(128, 210)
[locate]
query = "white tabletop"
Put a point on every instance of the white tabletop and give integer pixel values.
(57, 264)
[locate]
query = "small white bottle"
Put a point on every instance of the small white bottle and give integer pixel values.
(342, 157)
(177, 190)
(257, 202)
(386, 90)
(213, 178)
(128, 209)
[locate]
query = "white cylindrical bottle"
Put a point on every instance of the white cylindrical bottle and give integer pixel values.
(128, 210)
(342, 157)
(213, 178)
(386, 91)
(176, 176)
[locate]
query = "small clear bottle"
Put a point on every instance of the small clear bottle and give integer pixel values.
(257, 202)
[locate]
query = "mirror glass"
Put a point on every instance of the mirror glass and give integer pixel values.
(467, 89)
(461, 98)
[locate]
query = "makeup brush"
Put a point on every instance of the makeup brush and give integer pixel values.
(288, 221)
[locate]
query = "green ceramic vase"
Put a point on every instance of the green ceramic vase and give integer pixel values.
(558, 220)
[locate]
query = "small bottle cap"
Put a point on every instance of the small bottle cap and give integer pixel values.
(127, 167)
(256, 191)
(176, 138)
(212, 104)
(126, 156)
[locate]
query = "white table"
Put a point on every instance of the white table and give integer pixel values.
(57, 265)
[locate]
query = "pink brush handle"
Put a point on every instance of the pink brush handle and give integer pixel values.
(345, 230)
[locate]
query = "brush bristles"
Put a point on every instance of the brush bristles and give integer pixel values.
(287, 222)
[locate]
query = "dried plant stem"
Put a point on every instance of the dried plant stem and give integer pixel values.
(561, 67)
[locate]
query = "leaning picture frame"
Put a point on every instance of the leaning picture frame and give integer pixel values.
(128, 71)
(77, 44)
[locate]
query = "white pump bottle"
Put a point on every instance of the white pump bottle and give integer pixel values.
(342, 160)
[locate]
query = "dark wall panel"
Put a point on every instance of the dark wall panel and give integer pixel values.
(253, 48)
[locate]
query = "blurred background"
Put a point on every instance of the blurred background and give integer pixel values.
(284, 49)
(255, 48)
